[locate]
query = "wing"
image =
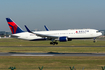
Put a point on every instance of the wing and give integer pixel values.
(48, 36)
(42, 35)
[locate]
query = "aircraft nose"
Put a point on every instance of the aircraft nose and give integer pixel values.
(100, 33)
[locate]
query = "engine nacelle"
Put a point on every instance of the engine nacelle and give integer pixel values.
(63, 39)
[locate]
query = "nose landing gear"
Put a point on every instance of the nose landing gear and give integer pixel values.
(94, 40)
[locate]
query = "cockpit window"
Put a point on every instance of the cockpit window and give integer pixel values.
(97, 31)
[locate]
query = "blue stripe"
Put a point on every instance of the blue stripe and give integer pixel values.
(9, 20)
(19, 30)
(12, 28)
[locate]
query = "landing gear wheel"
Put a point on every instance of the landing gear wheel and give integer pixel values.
(94, 41)
(53, 43)
(56, 43)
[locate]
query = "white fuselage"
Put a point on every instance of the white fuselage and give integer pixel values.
(70, 33)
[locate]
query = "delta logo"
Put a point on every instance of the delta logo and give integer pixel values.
(82, 31)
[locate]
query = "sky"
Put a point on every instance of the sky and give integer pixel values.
(55, 14)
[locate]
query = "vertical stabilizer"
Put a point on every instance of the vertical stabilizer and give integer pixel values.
(13, 26)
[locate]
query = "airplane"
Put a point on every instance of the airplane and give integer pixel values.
(53, 35)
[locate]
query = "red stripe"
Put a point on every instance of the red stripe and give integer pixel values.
(14, 27)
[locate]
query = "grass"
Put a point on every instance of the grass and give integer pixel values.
(54, 49)
(51, 63)
(15, 45)
(16, 42)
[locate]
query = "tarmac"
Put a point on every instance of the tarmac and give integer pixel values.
(51, 54)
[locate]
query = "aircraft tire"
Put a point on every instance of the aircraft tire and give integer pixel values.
(94, 41)
(56, 43)
(51, 42)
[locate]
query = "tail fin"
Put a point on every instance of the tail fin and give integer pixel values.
(13, 26)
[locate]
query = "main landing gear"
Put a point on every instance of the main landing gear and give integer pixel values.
(53, 43)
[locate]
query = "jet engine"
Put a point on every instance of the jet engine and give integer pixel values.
(63, 39)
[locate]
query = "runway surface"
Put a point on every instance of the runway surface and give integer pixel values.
(52, 46)
(51, 54)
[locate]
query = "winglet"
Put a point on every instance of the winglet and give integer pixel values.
(46, 28)
(28, 29)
